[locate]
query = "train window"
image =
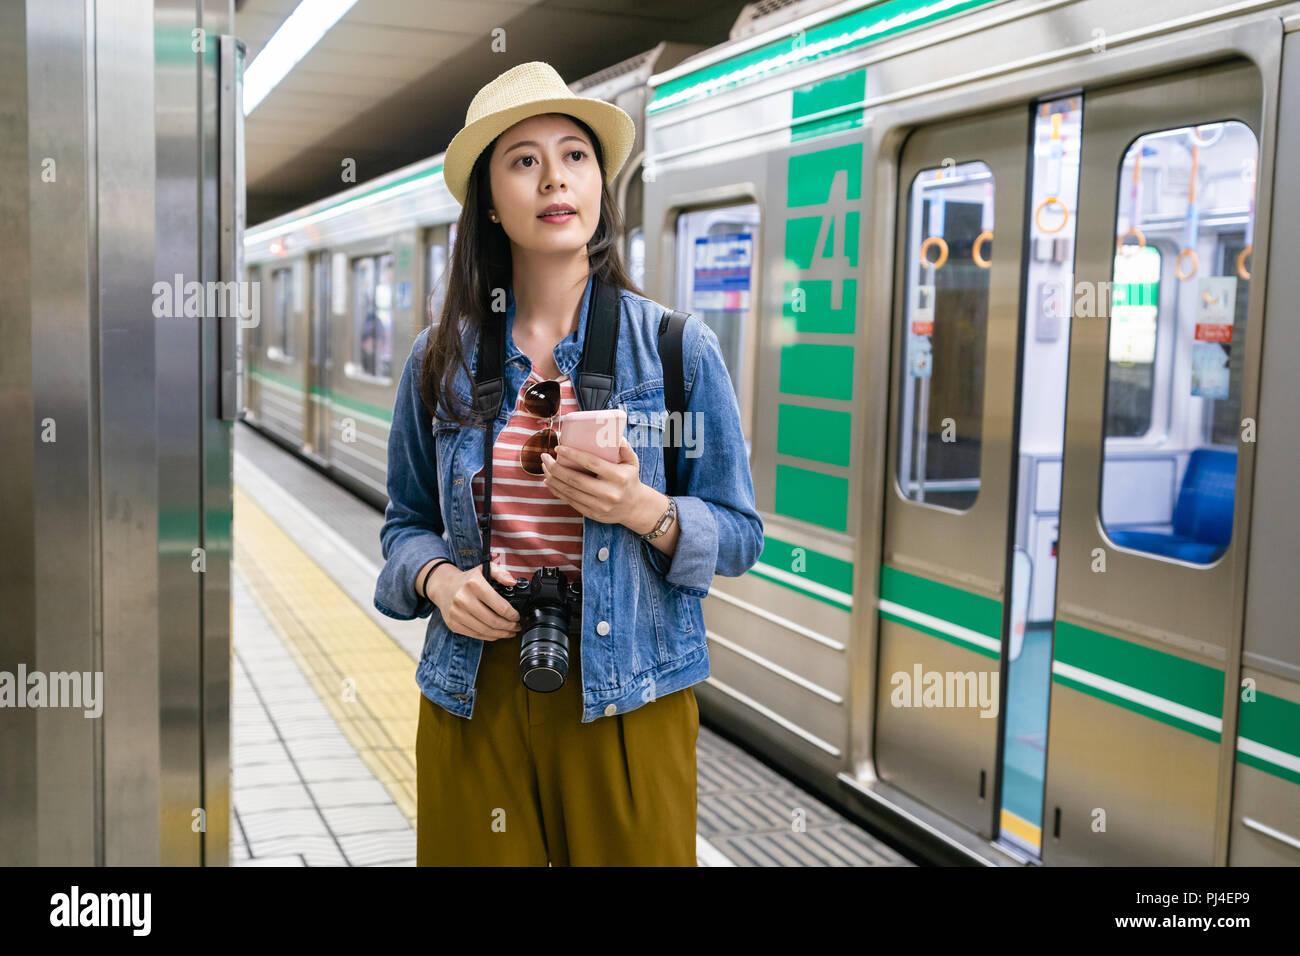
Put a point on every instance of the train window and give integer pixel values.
(715, 281)
(281, 313)
(1169, 491)
(372, 315)
(945, 321)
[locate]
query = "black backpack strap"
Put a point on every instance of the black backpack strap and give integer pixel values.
(489, 393)
(596, 369)
(670, 357)
(489, 377)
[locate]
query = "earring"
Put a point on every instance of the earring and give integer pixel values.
(493, 217)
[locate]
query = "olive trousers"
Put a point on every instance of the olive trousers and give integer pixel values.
(526, 783)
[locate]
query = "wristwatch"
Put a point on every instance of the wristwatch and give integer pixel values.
(665, 521)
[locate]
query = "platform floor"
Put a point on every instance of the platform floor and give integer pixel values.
(325, 705)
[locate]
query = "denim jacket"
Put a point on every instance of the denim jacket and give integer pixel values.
(642, 621)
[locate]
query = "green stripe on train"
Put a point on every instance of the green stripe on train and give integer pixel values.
(947, 604)
(1167, 676)
(257, 232)
(852, 31)
(1183, 694)
(810, 572)
(334, 398)
(1271, 721)
(1136, 707)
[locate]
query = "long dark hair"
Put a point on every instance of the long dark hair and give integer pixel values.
(481, 262)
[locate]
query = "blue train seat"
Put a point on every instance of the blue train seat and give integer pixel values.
(1202, 525)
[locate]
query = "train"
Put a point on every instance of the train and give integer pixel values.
(993, 283)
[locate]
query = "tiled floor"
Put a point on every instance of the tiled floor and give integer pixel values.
(302, 796)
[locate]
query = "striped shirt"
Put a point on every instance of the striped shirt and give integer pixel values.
(531, 527)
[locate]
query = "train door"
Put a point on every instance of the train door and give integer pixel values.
(943, 581)
(319, 359)
(1156, 483)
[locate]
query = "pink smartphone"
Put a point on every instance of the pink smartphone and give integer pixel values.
(596, 432)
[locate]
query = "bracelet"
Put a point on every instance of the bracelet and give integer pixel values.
(664, 523)
(421, 587)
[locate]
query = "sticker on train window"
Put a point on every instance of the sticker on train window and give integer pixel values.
(722, 270)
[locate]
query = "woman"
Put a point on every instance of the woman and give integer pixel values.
(602, 770)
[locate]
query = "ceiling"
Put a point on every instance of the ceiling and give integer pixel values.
(390, 82)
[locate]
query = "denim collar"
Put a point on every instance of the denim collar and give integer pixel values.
(567, 352)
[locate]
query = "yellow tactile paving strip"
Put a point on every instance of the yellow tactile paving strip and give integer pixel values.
(361, 674)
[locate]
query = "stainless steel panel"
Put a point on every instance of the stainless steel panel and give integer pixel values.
(231, 197)
(214, 478)
(19, 792)
(179, 455)
(128, 476)
(79, 367)
(65, 501)
(194, 444)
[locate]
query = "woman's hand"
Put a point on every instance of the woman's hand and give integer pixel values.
(614, 494)
(468, 603)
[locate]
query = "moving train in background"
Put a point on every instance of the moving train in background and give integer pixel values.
(1016, 372)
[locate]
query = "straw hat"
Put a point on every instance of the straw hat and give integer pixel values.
(523, 91)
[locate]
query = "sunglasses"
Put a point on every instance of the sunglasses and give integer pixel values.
(541, 400)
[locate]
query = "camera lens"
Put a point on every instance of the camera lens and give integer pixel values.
(544, 650)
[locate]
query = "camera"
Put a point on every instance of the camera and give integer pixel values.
(550, 613)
